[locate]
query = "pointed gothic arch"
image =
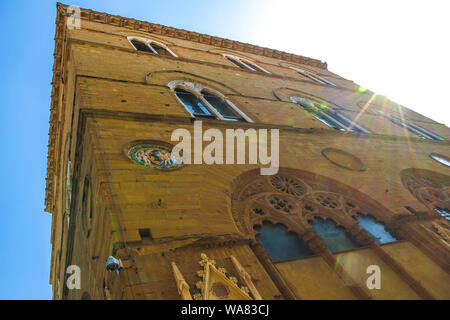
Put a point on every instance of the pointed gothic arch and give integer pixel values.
(295, 198)
(431, 188)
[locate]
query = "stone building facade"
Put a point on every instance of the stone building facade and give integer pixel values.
(362, 181)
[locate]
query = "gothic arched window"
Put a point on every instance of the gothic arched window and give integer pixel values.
(244, 63)
(330, 117)
(314, 77)
(151, 46)
(280, 244)
(411, 127)
(430, 188)
(445, 213)
(203, 102)
(193, 104)
(418, 131)
(441, 159)
(336, 239)
(375, 229)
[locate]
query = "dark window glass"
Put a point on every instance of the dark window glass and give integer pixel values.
(327, 119)
(375, 229)
(443, 212)
(421, 133)
(254, 66)
(193, 104)
(160, 50)
(221, 106)
(140, 46)
(336, 239)
(346, 123)
(145, 234)
(237, 63)
(331, 119)
(280, 244)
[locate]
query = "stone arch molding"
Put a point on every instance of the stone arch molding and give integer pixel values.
(429, 187)
(163, 77)
(295, 197)
(146, 35)
(286, 94)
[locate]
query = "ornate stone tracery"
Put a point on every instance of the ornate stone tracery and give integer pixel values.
(216, 284)
(430, 188)
(294, 198)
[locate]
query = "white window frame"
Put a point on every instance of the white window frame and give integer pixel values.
(147, 42)
(246, 62)
(196, 89)
(335, 115)
(313, 76)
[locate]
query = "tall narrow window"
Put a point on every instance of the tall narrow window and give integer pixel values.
(336, 239)
(151, 46)
(418, 131)
(375, 229)
(445, 213)
(244, 63)
(280, 244)
(159, 49)
(193, 104)
(322, 112)
(313, 76)
(141, 46)
(204, 102)
(221, 107)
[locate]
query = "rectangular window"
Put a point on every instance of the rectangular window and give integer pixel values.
(145, 234)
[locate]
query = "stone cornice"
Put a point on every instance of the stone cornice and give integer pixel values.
(54, 110)
(143, 26)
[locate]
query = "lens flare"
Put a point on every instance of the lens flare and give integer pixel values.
(324, 105)
(351, 263)
(360, 89)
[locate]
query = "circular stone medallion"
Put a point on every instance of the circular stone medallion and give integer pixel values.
(343, 159)
(154, 156)
(220, 290)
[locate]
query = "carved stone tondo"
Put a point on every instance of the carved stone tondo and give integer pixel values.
(154, 156)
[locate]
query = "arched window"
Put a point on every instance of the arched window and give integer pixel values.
(312, 76)
(280, 244)
(151, 46)
(441, 159)
(430, 188)
(411, 127)
(418, 131)
(193, 104)
(203, 102)
(244, 63)
(375, 229)
(221, 106)
(336, 239)
(330, 117)
(444, 212)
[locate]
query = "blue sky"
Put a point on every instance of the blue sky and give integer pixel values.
(26, 67)
(358, 39)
